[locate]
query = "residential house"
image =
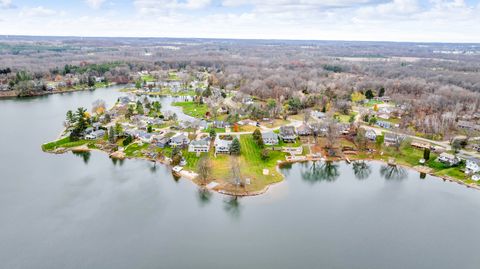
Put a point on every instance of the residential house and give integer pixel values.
(160, 141)
(304, 130)
(384, 124)
(472, 166)
(448, 159)
(95, 135)
(179, 140)
(144, 136)
(218, 124)
(222, 146)
(344, 128)
(287, 134)
(391, 139)
(270, 138)
(317, 114)
(201, 145)
(371, 134)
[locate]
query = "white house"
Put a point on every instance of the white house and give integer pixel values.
(371, 135)
(201, 145)
(179, 140)
(222, 146)
(472, 166)
(448, 159)
(270, 138)
(287, 134)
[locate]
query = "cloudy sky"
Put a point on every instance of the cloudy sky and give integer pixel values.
(388, 20)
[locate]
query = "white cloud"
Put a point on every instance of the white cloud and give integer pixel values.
(4, 4)
(156, 6)
(387, 20)
(37, 12)
(95, 3)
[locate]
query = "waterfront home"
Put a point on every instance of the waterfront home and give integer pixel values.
(476, 177)
(304, 130)
(222, 146)
(124, 100)
(384, 124)
(95, 135)
(472, 166)
(391, 139)
(201, 145)
(160, 141)
(448, 159)
(179, 140)
(144, 137)
(287, 134)
(371, 134)
(270, 138)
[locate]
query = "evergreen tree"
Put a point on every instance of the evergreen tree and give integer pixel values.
(369, 94)
(235, 147)
(381, 92)
(111, 135)
(426, 154)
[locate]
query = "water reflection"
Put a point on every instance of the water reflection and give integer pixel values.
(84, 155)
(232, 206)
(361, 169)
(393, 172)
(117, 161)
(204, 196)
(320, 171)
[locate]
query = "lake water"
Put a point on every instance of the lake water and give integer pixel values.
(69, 211)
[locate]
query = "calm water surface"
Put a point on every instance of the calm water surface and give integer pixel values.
(69, 211)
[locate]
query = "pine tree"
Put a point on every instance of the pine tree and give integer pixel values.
(235, 147)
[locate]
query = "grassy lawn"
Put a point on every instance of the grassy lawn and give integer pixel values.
(135, 149)
(173, 76)
(251, 165)
(345, 118)
(192, 108)
(148, 78)
(276, 123)
(63, 143)
(372, 102)
(217, 130)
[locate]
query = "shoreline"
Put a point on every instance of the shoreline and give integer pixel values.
(191, 175)
(12, 94)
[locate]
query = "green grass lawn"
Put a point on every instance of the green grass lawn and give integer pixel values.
(372, 102)
(135, 149)
(63, 143)
(192, 108)
(148, 78)
(251, 165)
(173, 76)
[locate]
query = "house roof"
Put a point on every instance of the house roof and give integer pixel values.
(269, 135)
(288, 130)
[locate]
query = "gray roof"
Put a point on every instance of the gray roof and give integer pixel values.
(269, 135)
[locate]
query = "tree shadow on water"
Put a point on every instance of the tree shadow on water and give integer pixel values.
(320, 171)
(361, 169)
(84, 155)
(232, 206)
(393, 172)
(204, 196)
